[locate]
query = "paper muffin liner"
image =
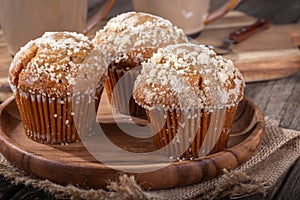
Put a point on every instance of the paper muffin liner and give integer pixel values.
(193, 133)
(122, 100)
(50, 120)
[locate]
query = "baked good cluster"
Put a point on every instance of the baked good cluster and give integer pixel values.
(148, 68)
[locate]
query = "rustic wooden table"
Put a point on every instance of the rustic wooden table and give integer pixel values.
(279, 99)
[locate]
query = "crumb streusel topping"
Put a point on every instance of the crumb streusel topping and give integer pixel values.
(50, 64)
(136, 31)
(188, 76)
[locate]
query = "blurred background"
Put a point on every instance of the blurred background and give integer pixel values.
(276, 11)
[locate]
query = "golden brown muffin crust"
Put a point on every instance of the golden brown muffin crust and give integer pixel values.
(134, 58)
(132, 31)
(50, 64)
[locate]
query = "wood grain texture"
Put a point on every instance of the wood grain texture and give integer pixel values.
(278, 99)
(290, 184)
(267, 55)
(74, 164)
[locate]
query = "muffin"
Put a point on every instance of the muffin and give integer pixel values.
(190, 95)
(127, 40)
(47, 75)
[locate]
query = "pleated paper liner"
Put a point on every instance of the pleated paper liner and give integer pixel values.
(75, 164)
(192, 133)
(120, 95)
(50, 120)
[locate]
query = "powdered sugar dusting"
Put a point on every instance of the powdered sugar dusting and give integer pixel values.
(132, 30)
(52, 63)
(188, 76)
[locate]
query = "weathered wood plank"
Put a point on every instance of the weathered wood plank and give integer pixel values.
(278, 99)
(290, 188)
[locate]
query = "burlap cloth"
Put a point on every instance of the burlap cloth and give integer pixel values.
(279, 149)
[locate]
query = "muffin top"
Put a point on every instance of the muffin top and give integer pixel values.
(185, 76)
(136, 31)
(51, 65)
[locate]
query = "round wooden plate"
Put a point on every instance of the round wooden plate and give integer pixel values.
(73, 164)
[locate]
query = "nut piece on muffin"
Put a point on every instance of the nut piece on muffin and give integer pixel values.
(127, 40)
(43, 75)
(195, 92)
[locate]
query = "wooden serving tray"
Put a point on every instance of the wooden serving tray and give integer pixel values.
(73, 164)
(267, 55)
